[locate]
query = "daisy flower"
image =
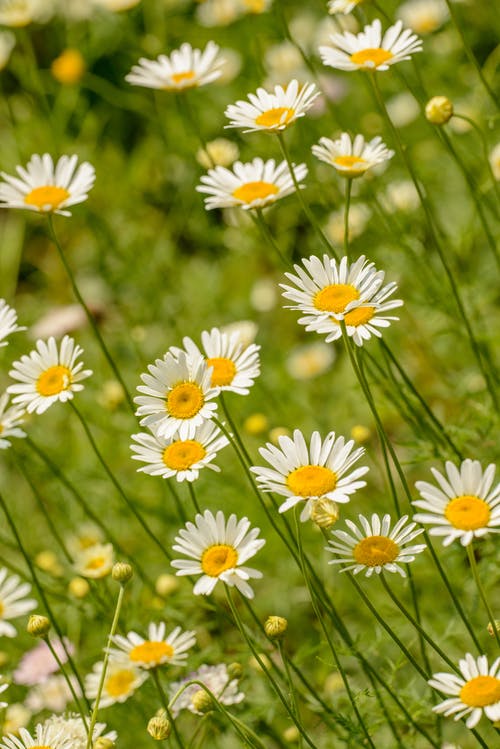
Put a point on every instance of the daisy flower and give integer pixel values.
(476, 693)
(374, 547)
(95, 561)
(253, 185)
(272, 111)
(177, 395)
(234, 366)
(424, 16)
(121, 681)
(13, 601)
(342, 6)
(71, 726)
(10, 418)
(465, 506)
(45, 736)
(352, 158)
(215, 678)
(369, 50)
(217, 548)
(8, 322)
(157, 650)
(303, 473)
(182, 458)
(184, 68)
(48, 375)
(47, 188)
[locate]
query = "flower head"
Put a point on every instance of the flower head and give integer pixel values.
(48, 375)
(10, 419)
(369, 50)
(46, 736)
(423, 16)
(71, 727)
(374, 547)
(256, 184)
(183, 68)
(465, 506)
(303, 473)
(182, 458)
(47, 188)
(475, 693)
(352, 158)
(95, 561)
(156, 650)
(217, 549)
(8, 322)
(177, 394)
(215, 678)
(121, 681)
(272, 112)
(13, 601)
(342, 6)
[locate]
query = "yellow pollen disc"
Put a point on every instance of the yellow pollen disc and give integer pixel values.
(185, 400)
(349, 161)
(481, 691)
(119, 683)
(1, 428)
(95, 563)
(468, 513)
(336, 297)
(311, 481)
(54, 380)
(277, 116)
(185, 78)
(375, 551)
(2, 609)
(183, 454)
(251, 191)
(151, 652)
(371, 57)
(218, 558)
(358, 316)
(41, 747)
(46, 198)
(223, 372)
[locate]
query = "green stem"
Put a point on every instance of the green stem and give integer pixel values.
(291, 687)
(193, 497)
(348, 191)
(166, 706)
(484, 144)
(477, 579)
(258, 220)
(66, 678)
(90, 317)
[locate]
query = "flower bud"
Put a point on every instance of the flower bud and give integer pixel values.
(235, 671)
(324, 512)
(78, 587)
(38, 625)
(202, 701)
(439, 110)
(122, 572)
(159, 726)
(275, 627)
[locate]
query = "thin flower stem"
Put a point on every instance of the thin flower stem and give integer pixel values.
(68, 681)
(166, 706)
(348, 191)
(482, 594)
(90, 317)
(258, 220)
(235, 431)
(265, 669)
(112, 632)
(193, 497)
(310, 216)
(186, 113)
(116, 484)
(291, 687)
(484, 144)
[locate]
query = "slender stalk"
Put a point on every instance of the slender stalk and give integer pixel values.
(186, 113)
(166, 707)
(193, 496)
(482, 594)
(258, 220)
(90, 317)
(484, 144)
(348, 191)
(112, 632)
(68, 681)
(291, 687)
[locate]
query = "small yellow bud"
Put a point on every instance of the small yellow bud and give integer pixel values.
(122, 572)
(103, 743)
(69, 67)
(4, 658)
(256, 424)
(166, 584)
(275, 627)
(111, 395)
(159, 727)
(48, 562)
(291, 734)
(235, 671)
(496, 625)
(439, 110)
(324, 512)
(360, 433)
(277, 432)
(202, 702)
(78, 587)
(38, 625)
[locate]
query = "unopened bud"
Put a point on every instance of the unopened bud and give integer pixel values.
(291, 734)
(275, 627)
(235, 671)
(439, 110)
(202, 701)
(122, 572)
(78, 587)
(38, 625)
(492, 626)
(324, 512)
(103, 743)
(159, 727)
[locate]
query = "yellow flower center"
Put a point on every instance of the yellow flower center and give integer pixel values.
(119, 683)
(2, 609)
(41, 747)
(481, 691)
(358, 316)
(371, 57)
(96, 563)
(375, 551)
(46, 198)
(218, 558)
(183, 454)
(184, 79)
(251, 191)
(223, 372)
(349, 161)
(468, 513)
(69, 67)
(276, 116)
(151, 652)
(54, 380)
(336, 297)
(185, 400)
(311, 481)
